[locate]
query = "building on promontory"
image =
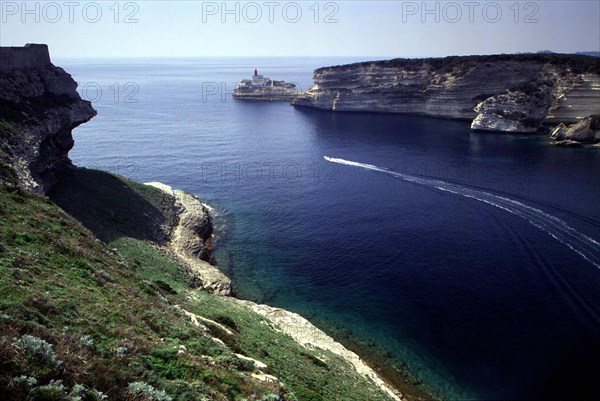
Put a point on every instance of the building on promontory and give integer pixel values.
(263, 88)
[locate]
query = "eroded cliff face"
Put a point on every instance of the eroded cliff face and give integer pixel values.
(519, 109)
(514, 93)
(39, 107)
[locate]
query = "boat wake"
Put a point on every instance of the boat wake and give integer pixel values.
(585, 246)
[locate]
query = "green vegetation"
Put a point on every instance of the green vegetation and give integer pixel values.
(7, 174)
(575, 62)
(113, 207)
(89, 319)
(6, 126)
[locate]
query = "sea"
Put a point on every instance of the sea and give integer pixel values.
(470, 259)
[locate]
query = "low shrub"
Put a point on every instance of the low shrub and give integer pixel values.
(37, 350)
(144, 391)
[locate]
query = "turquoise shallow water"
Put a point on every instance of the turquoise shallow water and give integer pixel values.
(470, 279)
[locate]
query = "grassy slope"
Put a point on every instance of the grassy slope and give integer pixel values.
(112, 207)
(60, 283)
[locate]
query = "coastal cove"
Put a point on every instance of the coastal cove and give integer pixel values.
(157, 242)
(465, 294)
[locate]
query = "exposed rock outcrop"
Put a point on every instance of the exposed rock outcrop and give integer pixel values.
(307, 335)
(515, 93)
(39, 107)
(190, 241)
(585, 131)
(516, 110)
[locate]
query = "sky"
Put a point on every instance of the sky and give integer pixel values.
(153, 28)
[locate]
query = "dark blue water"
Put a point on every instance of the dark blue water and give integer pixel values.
(481, 300)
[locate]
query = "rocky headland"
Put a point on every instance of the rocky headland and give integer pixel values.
(39, 107)
(505, 93)
(133, 240)
(190, 240)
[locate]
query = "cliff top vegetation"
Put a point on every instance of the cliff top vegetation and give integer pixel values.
(576, 63)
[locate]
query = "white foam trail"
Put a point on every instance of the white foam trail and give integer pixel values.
(209, 207)
(585, 246)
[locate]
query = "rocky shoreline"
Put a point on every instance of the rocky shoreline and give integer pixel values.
(190, 241)
(187, 242)
(309, 336)
(39, 107)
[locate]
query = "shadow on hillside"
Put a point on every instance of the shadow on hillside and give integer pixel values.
(112, 207)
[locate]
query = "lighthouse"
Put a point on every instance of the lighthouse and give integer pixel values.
(258, 80)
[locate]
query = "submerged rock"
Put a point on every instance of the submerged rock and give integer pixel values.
(566, 143)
